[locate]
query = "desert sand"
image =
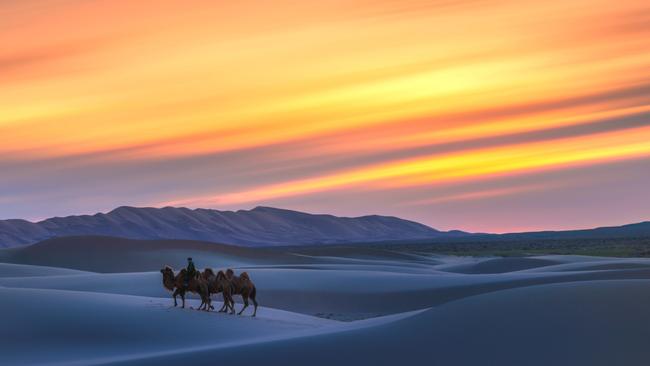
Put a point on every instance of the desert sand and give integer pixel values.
(99, 301)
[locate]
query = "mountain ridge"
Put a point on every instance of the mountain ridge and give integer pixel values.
(269, 226)
(259, 226)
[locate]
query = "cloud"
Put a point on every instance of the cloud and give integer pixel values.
(207, 103)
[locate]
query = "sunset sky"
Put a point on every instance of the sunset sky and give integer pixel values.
(477, 115)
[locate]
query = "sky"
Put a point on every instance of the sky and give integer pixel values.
(479, 115)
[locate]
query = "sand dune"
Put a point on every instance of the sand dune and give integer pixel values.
(541, 325)
(72, 325)
(599, 264)
(21, 270)
(346, 292)
(502, 265)
(337, 306)
(108, 254)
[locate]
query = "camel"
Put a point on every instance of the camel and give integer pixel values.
(176, 283)
(218, 283)
(242, 285)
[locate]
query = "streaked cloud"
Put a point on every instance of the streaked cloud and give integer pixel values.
(485, 194)
(227, 104)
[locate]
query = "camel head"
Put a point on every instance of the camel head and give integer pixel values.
(244, 276)
(167, 271)
(221, 275)
(230, 273)
(168, 277)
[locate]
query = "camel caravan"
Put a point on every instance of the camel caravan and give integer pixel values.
(207, 283)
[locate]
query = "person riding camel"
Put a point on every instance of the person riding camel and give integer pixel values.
(190, 271)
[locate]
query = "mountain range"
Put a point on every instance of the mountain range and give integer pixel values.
(260, 226)
(266, 226)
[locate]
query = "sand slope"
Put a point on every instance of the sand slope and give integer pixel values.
(21, 270)
(567, 324)
(360, 307)
(84, 325)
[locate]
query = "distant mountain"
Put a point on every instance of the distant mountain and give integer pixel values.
(641, 229)
(267, 226)
(257, 227)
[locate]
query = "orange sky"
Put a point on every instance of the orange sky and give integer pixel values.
(426, 104)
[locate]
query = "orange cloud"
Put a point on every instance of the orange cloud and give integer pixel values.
(486, 194)
(368, 81)
(470, 164)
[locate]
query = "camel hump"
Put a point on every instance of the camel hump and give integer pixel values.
(230, 272)
(244, 276)
(208, 271)
(168, 268)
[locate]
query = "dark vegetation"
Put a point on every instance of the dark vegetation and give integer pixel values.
(606, 247)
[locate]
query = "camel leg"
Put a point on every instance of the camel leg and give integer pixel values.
(224, 307)
(183, 298)
(204, 303)
(254, 304)
(208, 303)
(232, 304)
(245, 305)
(174, 295)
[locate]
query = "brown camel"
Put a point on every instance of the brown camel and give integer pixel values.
(176, 283)
(242, 285)
(216, 284)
